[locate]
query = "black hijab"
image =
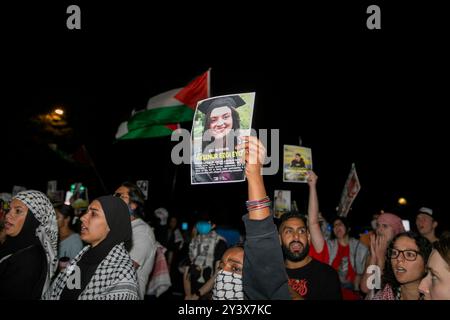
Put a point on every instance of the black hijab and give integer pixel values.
(25, 238)
(119, 223)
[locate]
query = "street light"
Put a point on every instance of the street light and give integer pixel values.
(402, 201)
(59, 111)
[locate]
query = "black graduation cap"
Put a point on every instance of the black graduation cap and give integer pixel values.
(228, 101)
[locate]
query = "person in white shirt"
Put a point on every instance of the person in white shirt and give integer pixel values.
(143, 247)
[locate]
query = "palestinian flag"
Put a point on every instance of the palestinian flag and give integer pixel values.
(164, 111)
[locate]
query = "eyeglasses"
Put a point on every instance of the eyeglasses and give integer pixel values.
(409, 255)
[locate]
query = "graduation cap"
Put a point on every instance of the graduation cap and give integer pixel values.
(228, 101)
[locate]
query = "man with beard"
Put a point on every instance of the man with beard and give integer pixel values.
(308, 278)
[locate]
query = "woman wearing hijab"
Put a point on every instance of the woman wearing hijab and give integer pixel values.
(103, 270)
(28, 257)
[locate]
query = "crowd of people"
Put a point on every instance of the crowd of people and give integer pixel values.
(116, 254)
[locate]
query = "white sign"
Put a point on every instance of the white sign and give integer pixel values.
(143, 185)
(17, 189)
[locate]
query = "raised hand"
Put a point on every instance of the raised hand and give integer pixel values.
(254, 154)
(312, 178)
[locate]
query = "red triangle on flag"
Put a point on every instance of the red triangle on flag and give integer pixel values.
(173, 126)
(195, 91)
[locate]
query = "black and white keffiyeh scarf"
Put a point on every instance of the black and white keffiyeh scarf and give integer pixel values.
(47, 231)
(114, 278)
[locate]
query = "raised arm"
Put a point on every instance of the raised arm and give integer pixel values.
(317, 237)
(255, 153)
(264, 274)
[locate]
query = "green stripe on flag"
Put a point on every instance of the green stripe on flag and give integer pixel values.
(172, 114)
(148, 132)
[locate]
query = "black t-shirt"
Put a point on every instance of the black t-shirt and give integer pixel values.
(315, 281)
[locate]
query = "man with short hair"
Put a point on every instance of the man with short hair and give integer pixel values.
(143, 247)
(308, 278)
(426, 224)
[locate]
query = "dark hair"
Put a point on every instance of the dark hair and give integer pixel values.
(442, 246)
(240, 244)
(207, 123)
(424, 248)
(292, 215)
(66, 210)
(344, 222)
(136, 197)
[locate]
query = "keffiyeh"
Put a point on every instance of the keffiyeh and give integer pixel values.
(47, 231)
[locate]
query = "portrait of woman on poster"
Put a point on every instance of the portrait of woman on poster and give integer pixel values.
(220, 134)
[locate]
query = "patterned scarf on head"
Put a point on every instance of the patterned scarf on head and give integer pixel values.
(47, 231)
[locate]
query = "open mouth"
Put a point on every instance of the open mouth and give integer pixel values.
(83, 229)
(400, 270)
(296, 246)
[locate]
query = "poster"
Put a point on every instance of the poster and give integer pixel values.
(281, 203)
(143, 185)
(297, 161)
(17, 189)
(52, 186)
(218, 124)
(351, 189)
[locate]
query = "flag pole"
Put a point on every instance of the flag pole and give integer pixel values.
(174, 179)
(91, 162)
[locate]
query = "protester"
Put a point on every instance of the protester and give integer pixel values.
(388, 226)
(70, 243)
(103, 270)
(264, 274)
(345, 254)
(28, 257)
(436, 284)
(406, 259)
(205, 251)
(143, 247)
(426, 224)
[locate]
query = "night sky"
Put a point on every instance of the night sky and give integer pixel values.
(377, 99)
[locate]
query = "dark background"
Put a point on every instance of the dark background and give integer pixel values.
(373, 97)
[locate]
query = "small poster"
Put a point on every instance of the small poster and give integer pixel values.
(51, 186)
(349, 193)
(218, 124)
(281, 203)
(297, 161)
(143, 185)
(17, 189)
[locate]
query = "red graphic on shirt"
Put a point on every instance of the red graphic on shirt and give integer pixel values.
(299, 286)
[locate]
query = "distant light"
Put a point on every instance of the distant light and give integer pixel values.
(402, 201)
(59, 111)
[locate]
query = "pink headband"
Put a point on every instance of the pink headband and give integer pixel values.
(394, 221)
